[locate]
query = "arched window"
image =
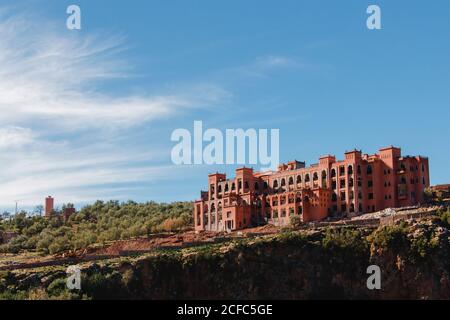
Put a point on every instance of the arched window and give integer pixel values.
(226, 187)
(299, 179)
(350, 182)
(275, 184)
(350, 170)
(291, 181)
(246, 185)
(283, 182)
(256, 186)
(307, 177)
(324, 179)
(219, 189)
(315, 176)
(233, 186)
(265, 185)
(333, 173)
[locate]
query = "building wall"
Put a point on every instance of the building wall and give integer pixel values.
(359, 183)
(49, 206)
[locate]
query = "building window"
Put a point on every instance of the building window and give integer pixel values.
(333, 173)
(291, 181)
(341, 170)
(350, 170)
(352, 207)
(370, 196)
(342, 183)
(299, 179)
(370, 183)
(369, 169)
(275, 184)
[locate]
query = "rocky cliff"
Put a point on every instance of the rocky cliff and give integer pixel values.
(414, 259)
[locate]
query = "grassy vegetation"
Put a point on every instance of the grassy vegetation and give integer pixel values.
(97, 223)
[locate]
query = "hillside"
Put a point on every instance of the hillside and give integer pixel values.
(414, 257)
(97, 223)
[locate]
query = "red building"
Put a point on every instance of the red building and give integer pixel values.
(359, 183)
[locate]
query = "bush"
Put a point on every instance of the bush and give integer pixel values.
(391, 236)
(295, 221)
(344, 239)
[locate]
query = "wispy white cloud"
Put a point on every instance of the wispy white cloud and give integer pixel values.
(54, 113)
(50, 76)
(262, 66)
(273, 61)
(15, 137)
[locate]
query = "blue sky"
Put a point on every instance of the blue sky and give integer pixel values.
(88, 114)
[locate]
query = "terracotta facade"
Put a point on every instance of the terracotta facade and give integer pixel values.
(49, 206)
(360, 183)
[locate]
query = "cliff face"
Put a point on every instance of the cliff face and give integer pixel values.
(325, 264)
